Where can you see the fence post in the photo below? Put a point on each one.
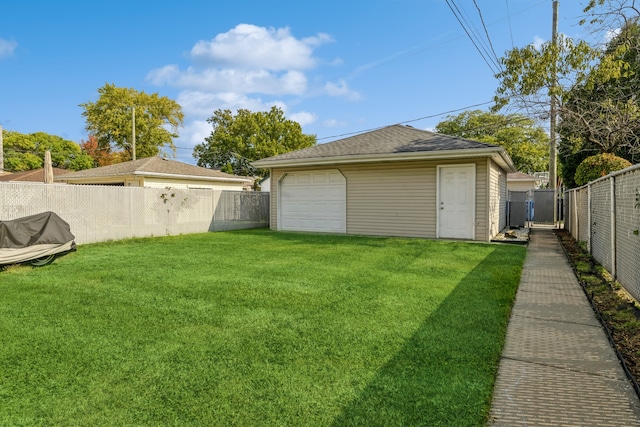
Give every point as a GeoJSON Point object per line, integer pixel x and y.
{"type": "Point", "coordinates": [575, 214]}
{"type": "Point", "coordinates": [614, 254]}
{"type": "Point", "coordinates": [589, 218]}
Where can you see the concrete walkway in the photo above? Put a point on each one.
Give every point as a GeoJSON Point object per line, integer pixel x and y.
{"type": "Point", "coordinates": [558, 367]}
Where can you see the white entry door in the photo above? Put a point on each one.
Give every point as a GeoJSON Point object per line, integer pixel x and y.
{"type": "Point", "coordinates": [456, 201]}
{"type": "Point", "coordinates": [313, 201]}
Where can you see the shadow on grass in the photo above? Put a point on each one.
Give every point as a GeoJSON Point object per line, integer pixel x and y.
{"type": "Point", "coordinates": [325, 239]}
{"type": "Point", "coordinates": [444, 375]}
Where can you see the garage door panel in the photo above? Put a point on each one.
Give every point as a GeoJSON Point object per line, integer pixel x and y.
{"type": "Point", "coordinates": [320, 178]}
{"type": "Point", "coordinates": [303, 178]}
{"type": "Point", "coordinates": [313, 201]}
{"type": "Point", "coordinates": [336, 177]}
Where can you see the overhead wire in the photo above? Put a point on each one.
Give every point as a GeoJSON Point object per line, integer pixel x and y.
{"type": "Point", "coordinates": [458, 15]}
{"type": "Point", "coordinates": [407, 121]}
{"type": "Point", "coordinates": [486, 47]}
{"type": "Point", "coordinates": [486, 32]}
{"type": "Point", "coordinates": [509, 19]}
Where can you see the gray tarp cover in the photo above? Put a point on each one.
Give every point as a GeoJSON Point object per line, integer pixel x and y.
{"type": "Point", "coordinates": [34, 238]}
{"type": "Point", "coordinates": [42, 228]}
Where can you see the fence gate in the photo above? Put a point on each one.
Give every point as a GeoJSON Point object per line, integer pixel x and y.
{"type": "Point", "coordinates": [543, 201]}
{"type": "Point", "coordinates": [519, 213]}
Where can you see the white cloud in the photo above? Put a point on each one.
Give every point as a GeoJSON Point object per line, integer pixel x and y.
{"type": "Point", "coordinates": [248, 67]}
{"type": "Point", "coordinates": [611, 34]}
{"type": "Point", "coordinates": [250, 46]}
{"type": "Point", "coordinates": [229, 79]}
{"type": "Point", "coordinates": [166, 75]}
{"type": "Point", "coordinates": [192, 134]}
{"type": "Point", "coordinates": [195, 132]}
{"type": "Point", "coordinates": [304, 118]}
{"type": "Point", "coordinates": [247, 59]}
{"type": "Point", "coordinates": [538, 42]}
{"type": "Point", "coordinates": [7, 48]}
{"type": "Point", "coordinates": [341, 89]}
{"type": "Point", "coordinates": [203, 104]}
{"type": "Point", "coordinates": [333, 123]}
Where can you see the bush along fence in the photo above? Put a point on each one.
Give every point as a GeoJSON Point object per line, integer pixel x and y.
{"type": "Point", "coordinates": [605, 215]}
{"type": "Point", "coordinates": [101, 213]}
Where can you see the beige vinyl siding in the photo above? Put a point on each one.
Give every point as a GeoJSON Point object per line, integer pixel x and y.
{"type": "Point", "coordinates": [497, 199]}
{"type": "Point", "coordinates": [391, 199]}
{"type": "Point", "coordinates": [395, 198]}
{"type": "Point", "coordinates": [482, 200]}
{"type": "Point", "coordinates": [522, 185]}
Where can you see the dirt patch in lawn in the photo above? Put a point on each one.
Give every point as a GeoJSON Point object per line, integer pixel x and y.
{"type": "Point", "coordinates": [619, 312]}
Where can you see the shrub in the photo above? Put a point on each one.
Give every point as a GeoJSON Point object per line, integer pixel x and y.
{"type": "Point", "coordinates": [597, 166]}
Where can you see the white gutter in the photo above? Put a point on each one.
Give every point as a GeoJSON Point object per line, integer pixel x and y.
{"type": "Point", "coordinates": [499, 155]}
{"type": "Point", "coordinates": [199, 177]}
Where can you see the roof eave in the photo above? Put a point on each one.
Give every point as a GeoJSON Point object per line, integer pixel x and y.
{"type": "Point", "coordinates": [196, 177]}
{"type": "Point", "coordinates": [498, 154]}
{"type": "Point", "coordinates": [123, 176]}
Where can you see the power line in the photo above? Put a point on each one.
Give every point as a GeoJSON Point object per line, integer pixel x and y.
{"type": "Point", "coordinates": [407, 121]}
{"type": "Point", "coordinates": [509, 19]}
{"type": "Point", "coordinates": [459, 18]}
{"type": "Point", "coordinates": [486, 32]}
{"type": "Point", "coordinates": [474, 30]}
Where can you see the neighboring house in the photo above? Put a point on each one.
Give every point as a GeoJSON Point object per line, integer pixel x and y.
{"type": "Point", "coordinates": [35, 175]}
{"type": "Point", "coordinates": [394, 181]}
{"type": "Point", "coordinates": [519, 181]}
{"type": "Point", "coordinates": [265, 184]}
{"type": "Point", "coordinates": [160, 173]}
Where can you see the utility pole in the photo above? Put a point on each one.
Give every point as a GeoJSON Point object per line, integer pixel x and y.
{"type": "Point", "coordinates": [133, 133]}
{"type": "Point", "coordinates": [553, 154]}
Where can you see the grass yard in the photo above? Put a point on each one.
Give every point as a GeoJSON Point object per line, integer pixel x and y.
{"type": "Point", "coordinates": [254, 327]}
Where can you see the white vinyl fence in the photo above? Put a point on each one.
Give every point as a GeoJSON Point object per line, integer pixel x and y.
{"type": "Point", "coordinates": [100, 213]}
{"type": "Point", "coordinates": [605, 214]}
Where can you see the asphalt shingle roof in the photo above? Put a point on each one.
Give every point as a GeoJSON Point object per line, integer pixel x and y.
{"type": "Point", "coordinates": [36, 175]}
{"type": "Point", "coordinates": [394, 139]}
{"type": "Point", "coordinates": [522, 176]}
{"type": "Point", "coordinates": [151, 165]}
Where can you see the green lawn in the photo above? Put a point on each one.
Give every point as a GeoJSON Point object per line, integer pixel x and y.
{"type": "Point", "coordinates": [252, 328]}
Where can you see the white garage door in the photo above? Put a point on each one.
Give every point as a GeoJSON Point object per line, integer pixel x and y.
{"type": "Point", "coordinates": [313, 201]}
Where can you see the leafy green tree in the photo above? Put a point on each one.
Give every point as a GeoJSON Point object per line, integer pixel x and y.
{"type": "Point", "coordinates": [526, 143]}
{"type": "Point", "coordinates": [110, 119]}
{"type": "Point", "coordinates": [531, 75]}
{"type": "Point", "coordinates": [597, 166]}
{"type": "Point", "coordinates": [24, 152]}
{"type": "Point", "coordinates": [602, 114]}
{"type": "Point", "coordinates": [595, 88]}
{"type": "Point", "coordinates": [238, 140]}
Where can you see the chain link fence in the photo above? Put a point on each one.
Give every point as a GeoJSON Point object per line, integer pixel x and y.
{"type": "Point", "coordinates": [605, 215]}
{"type": "Point", "coordinates": [100, 213]}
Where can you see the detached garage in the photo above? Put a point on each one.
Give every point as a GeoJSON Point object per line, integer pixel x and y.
{"type": "Point", "coordinates": [394, 181]}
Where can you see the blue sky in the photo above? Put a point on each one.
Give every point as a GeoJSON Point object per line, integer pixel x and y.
{"type": "Point", "coordinates": [336, 67]}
